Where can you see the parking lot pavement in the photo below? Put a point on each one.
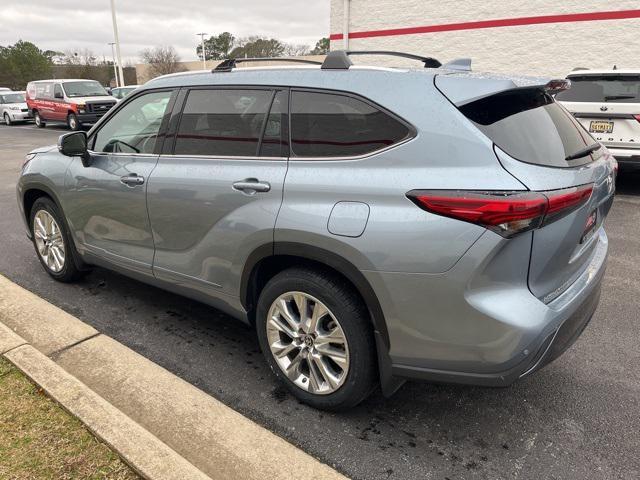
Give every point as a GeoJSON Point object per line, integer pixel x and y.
{"type": "Point", "coordinates": [577, 418]}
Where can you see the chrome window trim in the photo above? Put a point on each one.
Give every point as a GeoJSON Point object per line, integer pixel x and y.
{"type": "Point", "coordinates": [222, 157]}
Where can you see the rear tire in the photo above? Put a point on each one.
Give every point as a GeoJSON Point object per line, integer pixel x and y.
{"type": "Point", "coordinates": [72, 122]}
{"type": "Point", "coordinates": [40, 123]}
{"type": "Point", "coordinates": [52, 241]}
{"type": "Point", "coordinates": [331, 366]}
{"type": "Point", "coordinates": [7, 119]}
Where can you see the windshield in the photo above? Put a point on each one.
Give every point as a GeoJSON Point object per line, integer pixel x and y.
{"type": "Point", "coordinates": [84, 89]}
{"type": "Point", "coordinates": [602, 88]}
{"type": "Point", "coordinates": [531, 127]}
{"type": "Point", "coordinates": [13, 98]}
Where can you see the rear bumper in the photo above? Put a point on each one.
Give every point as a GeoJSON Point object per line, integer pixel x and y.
{"type": "Point", "coordinates": [491, 334]}
{"type": "Point", "coordinates": [626, 157]}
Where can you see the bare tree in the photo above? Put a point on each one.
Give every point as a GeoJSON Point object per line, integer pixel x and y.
{"type": "Point", "coordinates": [162, 61]}
{"type": "Point", "coordinates": [293, 50]}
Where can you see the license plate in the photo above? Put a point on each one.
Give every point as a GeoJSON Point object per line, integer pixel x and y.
{"type": "Point", "coordinates": [599, 126]}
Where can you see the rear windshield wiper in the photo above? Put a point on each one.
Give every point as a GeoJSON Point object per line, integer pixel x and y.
{"type": "Point", "coordinates": [617, 97]}
{"type": "Point", "coordinates": [584, 152]}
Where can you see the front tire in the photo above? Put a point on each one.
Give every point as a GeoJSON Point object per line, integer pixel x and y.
{"type": "Point", "coordinates": [52, 241]}
{"type": "Point", "coordinates": [7, 119]}
{"type": "Point", "coordinates": [40, 123]}
{"type": "Point", "coordinates": [72, 122]}
{"type": "Point", "coordinates": [316, 336]}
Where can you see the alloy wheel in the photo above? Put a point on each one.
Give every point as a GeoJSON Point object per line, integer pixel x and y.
{"type": "Point", "coordinates": [49, 241]}
{"type": "Point", "coordinates": [308, 343]}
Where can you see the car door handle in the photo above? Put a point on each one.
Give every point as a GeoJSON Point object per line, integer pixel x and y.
{"type": "Point", "coordinates": [251, 186]}
{"type": "Point", "coordinates": [132, 180]}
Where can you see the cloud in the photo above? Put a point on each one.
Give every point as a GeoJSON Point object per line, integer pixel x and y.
{"type": "Point", "coordinates": [71, 25]}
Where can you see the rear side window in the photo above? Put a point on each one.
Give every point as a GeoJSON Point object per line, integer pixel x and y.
{"type": "Point", "coordinates": [602, 88]}
{"type": "Point", "coordinates": [334, 125]}
{"type": "Point", "coordinates": [44, 90]}
{"type": "Point", "coordinates": [530, 126]}
{"type": "Point", "coordinates": [223, 122]}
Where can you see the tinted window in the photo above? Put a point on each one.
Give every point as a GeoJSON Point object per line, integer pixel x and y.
{"type": "Point", "coordinates": [330, 125]}
{"type": "Point", "coordinates": [134, 128]}
{"type": "Point", "coordinates": [602, 88]}
{"type": "Point", "coordinates": [528, 125]}
{"type": "Point", "coordinates": [223, 122]}
{"type": "Point", "coordinates": [275, 141]}
{"type": "Point", "coordinates": [57, 91]}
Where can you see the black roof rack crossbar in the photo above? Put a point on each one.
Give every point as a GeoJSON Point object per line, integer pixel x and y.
{"type": "Point", "coordinates": [230, 63]}
{"type": "Point", "coordinates": [339, 59]}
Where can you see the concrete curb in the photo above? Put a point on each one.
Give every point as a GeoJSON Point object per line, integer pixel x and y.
{"type": "Point", "coordinates": [164, 427]}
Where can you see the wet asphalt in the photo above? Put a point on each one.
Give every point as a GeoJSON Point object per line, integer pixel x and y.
{"type": "Point", "coordinates": [578, 418]}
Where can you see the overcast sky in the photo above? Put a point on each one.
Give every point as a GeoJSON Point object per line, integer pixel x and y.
{"type": "Point", "coordinates": [77, 24]}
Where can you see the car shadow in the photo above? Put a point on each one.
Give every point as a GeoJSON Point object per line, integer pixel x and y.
{"type": "Point", "coordinates": [628, 183]}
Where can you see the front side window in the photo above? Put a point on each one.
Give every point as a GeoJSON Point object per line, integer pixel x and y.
{"type": "Point", "coordinates": [57, 91]}
{"type": "Point", "coordinates": [223, 122]}
{"type": "Point", "coordinates": [86, 88]}
{"type": "Point", "coordinates": [334, 125]}
{"type": "Point", "coordinates": [135, 127]}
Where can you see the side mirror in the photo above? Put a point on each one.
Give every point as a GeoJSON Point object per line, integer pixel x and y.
{"type": "Point", "coordinates": [58, 95]}
{"type": "Point", "coordinates": [74, 144]}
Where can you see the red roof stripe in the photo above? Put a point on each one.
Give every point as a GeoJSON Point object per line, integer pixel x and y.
{"type": "Point", "coordinates": [501, 22]}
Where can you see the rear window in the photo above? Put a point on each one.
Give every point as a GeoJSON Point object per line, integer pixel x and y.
{"type": "Point", "coordinates": [333, 125]}
{"type": "Point", "coordinates": [602, 88]}
{"type": "Point", "coordinates": [530, 126]}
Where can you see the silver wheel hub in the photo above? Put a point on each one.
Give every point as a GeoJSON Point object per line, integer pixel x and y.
{"type": "Point", "coordinates": [308, 343]}
{"type": "Point", "coordinates": [49, 242]}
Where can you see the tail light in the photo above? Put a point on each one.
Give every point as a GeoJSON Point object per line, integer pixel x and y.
{"type": "Point", "coordinates": [506, 213]}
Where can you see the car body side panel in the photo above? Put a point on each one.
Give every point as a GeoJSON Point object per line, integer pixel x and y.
{"type": "Point", "coordinates": [204, 230]}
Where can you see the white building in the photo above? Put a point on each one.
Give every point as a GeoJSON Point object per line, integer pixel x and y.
{"type": "Point", "coordinates": [537, 37]}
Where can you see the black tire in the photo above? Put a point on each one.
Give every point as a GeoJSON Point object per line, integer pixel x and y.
{"type": "Point", "coordinates": [71, 269]}
{"type": "Point", "coordinates": [40, 123]}
{"type": "Point", "coordinates": [7, 119]}
{"type": "Point", "coordinates": [346, 305]}
{"type": "Point", "coordinates": [72, 122]}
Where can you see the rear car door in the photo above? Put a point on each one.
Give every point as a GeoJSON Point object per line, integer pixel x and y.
{"type": "Point", "coordinates": [216, 191]}
{"type": "Point", "coordinates": [106, 200]}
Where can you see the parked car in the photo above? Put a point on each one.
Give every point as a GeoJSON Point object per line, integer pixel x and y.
{"type": "Point", "coordinates": [607, 103]}
{"type": "Point", "coordinates": [5, 89]}
{"type": "Point", "coordinates": [120, 92]}
{"type": "Point", "coordinates": [371, 224]}
{"type": "Point", "coordinates": [73, 102]}
{"type": "Point", "coordinates": [13, 107]}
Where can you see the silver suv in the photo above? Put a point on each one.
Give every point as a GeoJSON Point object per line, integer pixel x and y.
{"type": "Point", "coordinates": [372, 224]}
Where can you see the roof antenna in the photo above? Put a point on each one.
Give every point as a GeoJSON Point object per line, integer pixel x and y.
{"type": "Point", "coordinates": [615, 67]}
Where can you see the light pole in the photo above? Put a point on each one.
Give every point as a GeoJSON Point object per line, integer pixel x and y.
{"type": "Point", "coordinates": [115, 69]}
{"type": "Point", "coordinates": [204, 54]}
{"type": "Point", "coordinates": [117, 42]}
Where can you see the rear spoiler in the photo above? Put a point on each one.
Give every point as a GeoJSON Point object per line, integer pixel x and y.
{"type": "Point", "coordinates": [461, 88]}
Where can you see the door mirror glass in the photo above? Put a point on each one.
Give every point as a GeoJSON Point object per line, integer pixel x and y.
{"type": "Point", "coordinates": [73, 144]}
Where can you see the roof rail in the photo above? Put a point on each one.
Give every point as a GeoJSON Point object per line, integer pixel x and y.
{"type": "Point", "coordinates": [339, 59]}
{"type": "Point", "coordinates": [230, 63]}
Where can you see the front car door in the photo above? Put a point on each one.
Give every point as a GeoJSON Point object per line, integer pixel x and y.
{"type": "Point", "coordinates": [106, 200]}
{"type": "Point", "coordinates": [214, 196]}
{"type": "Point", "coordinates": [59, 105]}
